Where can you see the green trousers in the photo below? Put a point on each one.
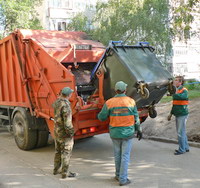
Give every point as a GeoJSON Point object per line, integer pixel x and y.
{"type": "Point", "coordinates": [63, 152]}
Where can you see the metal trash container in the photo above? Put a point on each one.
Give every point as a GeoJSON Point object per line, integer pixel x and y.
{"type": "Point", "coordinates": [136, 65]}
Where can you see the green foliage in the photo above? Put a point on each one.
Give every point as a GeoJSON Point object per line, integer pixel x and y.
{"type": "Point", "coordinates": [19, 14]}
{"type": "Point", "coordinates": [79, 23]}
{"type": "Point", "coordinates": [194, 94]}
{"type": "Point", "coordinates": [182, 17]}
{"type": "Point", "coordinates": [131, 21]}
{"type": "Point", "coordinates": [116, 20]}
{"type": "Point", "coordinates": [192, 85]}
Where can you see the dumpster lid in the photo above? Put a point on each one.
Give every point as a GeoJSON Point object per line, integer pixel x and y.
{"type": "Point", "coordinates": [114, 45]}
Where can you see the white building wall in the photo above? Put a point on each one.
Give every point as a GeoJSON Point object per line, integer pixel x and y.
{"type": "Point", "coordinates": [186, 59]}
{"type": "Point", "coordinates": [186, 56]}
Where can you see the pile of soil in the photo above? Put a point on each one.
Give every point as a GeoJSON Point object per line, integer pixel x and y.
{"type": "Point", "coordinates": [161, 127]}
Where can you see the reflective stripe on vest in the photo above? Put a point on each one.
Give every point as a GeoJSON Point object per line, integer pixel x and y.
{"type": "Point", "coordinates": [180, 102]}
{"type": "Point", "coordinates": [181, 90]}
{"type": "Point", "coordinates": [118, 107]}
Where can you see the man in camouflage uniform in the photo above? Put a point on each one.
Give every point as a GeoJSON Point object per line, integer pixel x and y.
{"type": "Point", "coordinates": [63, 132]}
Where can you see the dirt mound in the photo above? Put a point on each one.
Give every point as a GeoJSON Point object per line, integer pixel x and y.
{"type": "Point", "coordinates": [162, 128]}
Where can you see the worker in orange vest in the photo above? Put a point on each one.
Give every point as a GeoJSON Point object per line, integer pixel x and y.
{"type": "Point", "coordinates": [124, 121]}
{"type": "Point", "coordinates": [180, 111]}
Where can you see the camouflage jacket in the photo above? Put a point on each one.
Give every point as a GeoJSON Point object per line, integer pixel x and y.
{"type": "Point", "coordinates": [63, 119]}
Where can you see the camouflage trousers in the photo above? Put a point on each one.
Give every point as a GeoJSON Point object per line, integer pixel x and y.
{"type": "Point", "coordinates": [63, 152]}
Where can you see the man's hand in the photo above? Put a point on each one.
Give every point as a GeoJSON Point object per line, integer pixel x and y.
{"type": "Point", "coordinates": [139, 135]}
{"type": "Point", "coordinates": [169, 117]}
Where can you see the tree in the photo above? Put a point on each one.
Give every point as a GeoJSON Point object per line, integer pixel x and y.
{"type": "Point", "coordinates": [155, 21]}
{"type": "Point", "coordinates": [19, 14]}
{"type": "Point", "coordinates": [133, 21]}
{"type": "Point", "coordinates": [182, 17]}
{"type": "Point", "coordinates": [79, 23]}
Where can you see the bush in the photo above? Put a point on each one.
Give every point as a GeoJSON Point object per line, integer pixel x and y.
{"type": "Point", "coordinates": [192, 85]}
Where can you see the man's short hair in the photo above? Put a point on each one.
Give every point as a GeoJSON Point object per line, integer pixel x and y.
{"type": "Point", "coordinates": [119, 92]}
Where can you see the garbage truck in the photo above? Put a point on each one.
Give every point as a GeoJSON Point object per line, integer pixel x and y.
{"type": "Point", "coordinates": [36, 64]}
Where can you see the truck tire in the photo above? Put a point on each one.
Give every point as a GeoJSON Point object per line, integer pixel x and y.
{"type": "Point", "coordinates": [42, 138]}
{"type": "Point", "coordinates": [42, 132]}
{"type": "Point", "coordinates": [25, 137]}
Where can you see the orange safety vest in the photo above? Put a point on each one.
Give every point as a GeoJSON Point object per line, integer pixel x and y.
{"type": "Point", "coordinates": [180, 102]}
{"type": "Point", "coordinates": [120, 113]}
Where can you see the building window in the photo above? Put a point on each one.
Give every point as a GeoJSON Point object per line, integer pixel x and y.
{"type": "Point", "coordinates": [61, 26]}
{"type": "Point", "coordinates": [180, 52]}
{"type": "Point", "coordinates": [60, 3]}
{"type": "Point", "coordinates": [66, 4]}
{"type": "Point", "coordinates": [181, 69]}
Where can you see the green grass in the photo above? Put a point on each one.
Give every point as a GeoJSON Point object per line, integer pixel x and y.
{"type": "Point", "coordinates": [192, 95]}
{"type": "Point", "coordinates": [166, 99]}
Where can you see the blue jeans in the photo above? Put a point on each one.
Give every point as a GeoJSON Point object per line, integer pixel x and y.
{"type": "Point", "coordinates": [181, 132]}
{"type": "Point", "coordinates": [122, 150]}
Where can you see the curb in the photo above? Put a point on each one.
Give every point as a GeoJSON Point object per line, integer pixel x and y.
{"type": "Point", "coordinates": [172, 141]}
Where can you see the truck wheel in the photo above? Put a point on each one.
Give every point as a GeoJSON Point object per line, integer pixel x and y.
{"type": "Point", "coordinates": [42, 138]}
{"type": "Point", "coordinates": [25, 138]}
{"type": "Point", "coordinates": [42, 132]}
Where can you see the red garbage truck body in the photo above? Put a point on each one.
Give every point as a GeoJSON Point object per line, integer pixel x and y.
{"type": "Point", "coordinates": [34, 66]}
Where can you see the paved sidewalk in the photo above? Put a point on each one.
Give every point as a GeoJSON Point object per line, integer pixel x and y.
{"type": "Point", "coordinates": [153, 165]}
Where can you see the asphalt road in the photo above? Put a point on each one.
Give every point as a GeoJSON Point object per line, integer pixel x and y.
{"type": "Point", "coordinates": [152, 165]}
